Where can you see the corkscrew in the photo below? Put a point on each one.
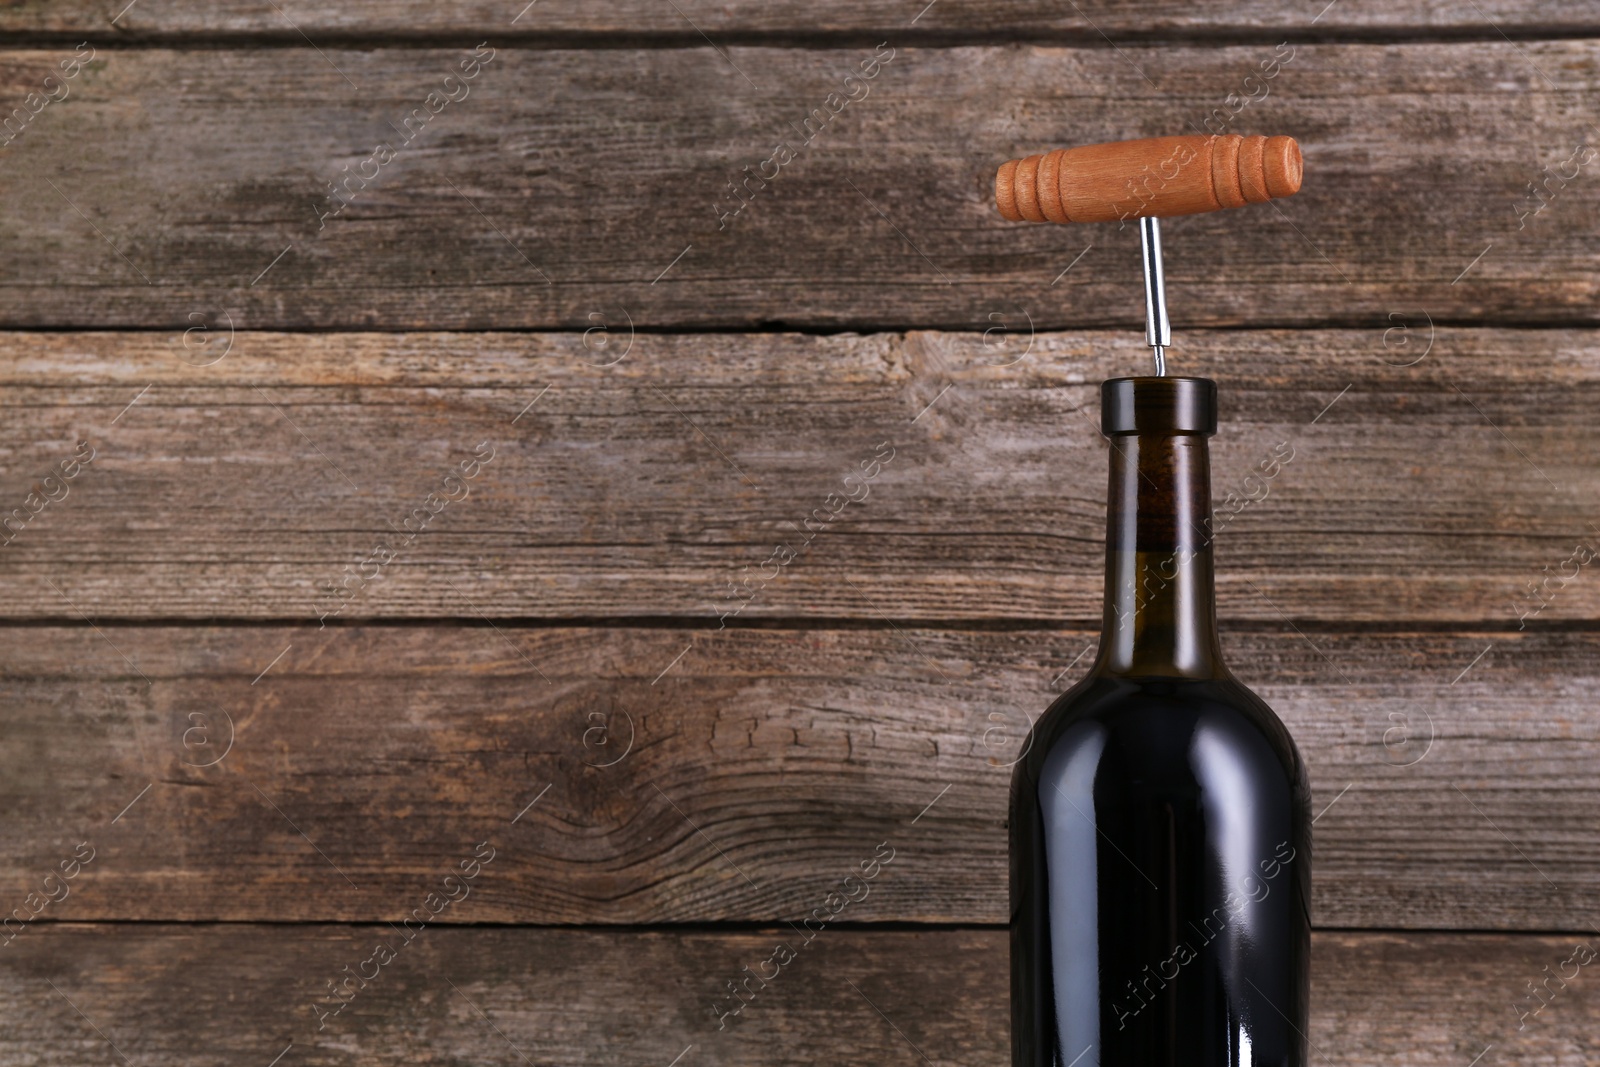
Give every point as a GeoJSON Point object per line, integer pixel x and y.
{"type": "Point", "coordinates": [1149, 180]}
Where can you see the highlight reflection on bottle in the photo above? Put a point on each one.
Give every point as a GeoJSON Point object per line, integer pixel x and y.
{"type": "Point", "coordinates": [1160, 821]}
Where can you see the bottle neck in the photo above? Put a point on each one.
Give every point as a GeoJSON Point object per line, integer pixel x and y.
{"type": "Point", "coordinates": [1160, 611]}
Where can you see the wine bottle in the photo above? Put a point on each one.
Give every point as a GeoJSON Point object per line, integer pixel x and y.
{"type": "Point", "coordinates": [1160, 826]}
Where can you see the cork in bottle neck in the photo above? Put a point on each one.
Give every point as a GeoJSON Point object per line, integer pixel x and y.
{"type": "Point", "coordinates": [1160, 616]}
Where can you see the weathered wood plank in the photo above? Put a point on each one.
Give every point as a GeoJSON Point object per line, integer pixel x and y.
{"type": "Point", "coordinates": [248, 488]}
{"type": "Point", "coordinates": [565, 184]}
{"type": "Point", "coordinates": [662, 775]}
{"type": "Point", "coordinates": [203, 996]}
{"type": "Point", "coordinates": [630, 18]}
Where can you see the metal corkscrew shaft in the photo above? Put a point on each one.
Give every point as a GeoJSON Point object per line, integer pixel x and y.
{"type": "Point", "coordinates": [1157, 327]}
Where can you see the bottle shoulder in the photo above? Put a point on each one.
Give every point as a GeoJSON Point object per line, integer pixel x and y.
{"type": "Point", "coordinates": [1180, 725]}
{"type": "Point", "coordinates": [1109, 697]}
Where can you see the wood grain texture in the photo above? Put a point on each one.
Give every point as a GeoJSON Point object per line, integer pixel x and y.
{"type": "Point", "coordinates": [636, 776]}
{"type": "Point", "coordinates": [661, 485]}
{"type": "Point", "coordinates": [787, 18]}
{"type": "Point", "coordinates": [209, 996]}
{"type": "Point", "coordinates": [241, 785]}
{"type": "Point", "coordinates": [571, 183]}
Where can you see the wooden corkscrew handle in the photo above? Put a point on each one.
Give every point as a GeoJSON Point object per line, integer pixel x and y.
{"type": "Point", "coordinates": [1157, 177]}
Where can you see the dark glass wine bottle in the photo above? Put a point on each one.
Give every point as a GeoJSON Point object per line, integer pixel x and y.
{"type": "Point", "coordinates": [1160, 826]}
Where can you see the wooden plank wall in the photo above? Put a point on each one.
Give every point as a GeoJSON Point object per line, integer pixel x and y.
{"type": "Point", "coordinates": [253, 715]}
